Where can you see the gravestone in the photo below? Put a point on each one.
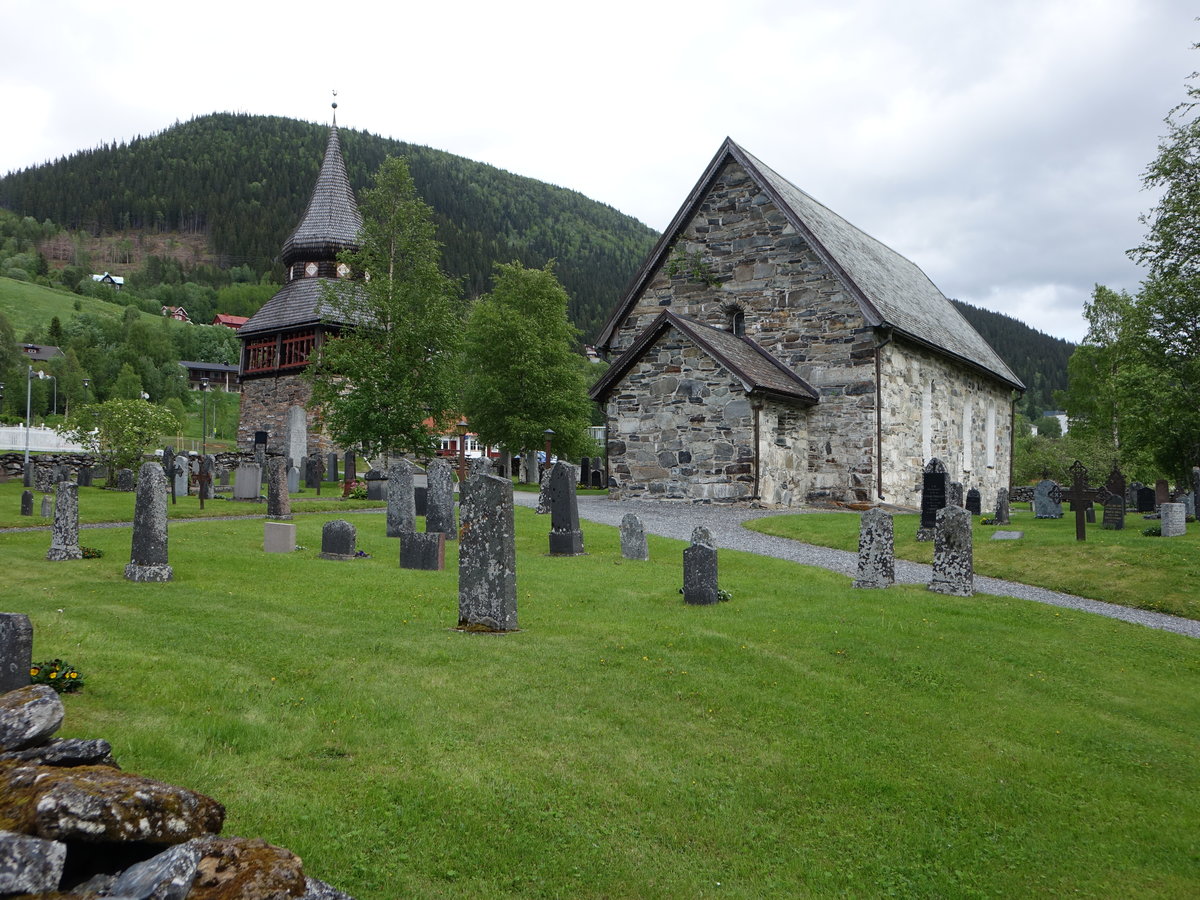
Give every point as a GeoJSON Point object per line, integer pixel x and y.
{"type": "Point", "coordinates": [1131, 499]}
{"type": "Point", "coordinates": [954, 494]}
{"type": "Point", "coordinates": [935, 487]}
{"type": "Point", "coordinates": [338, 540]}
{"type": "Point", "coordinates": [279, 537]}
{"type": "Point", "coordinates": [953, 560]}
{"type": "Point", "coordinates": [487, 559]}
{"type": "Point", "coordinates": [224, 476]}
{"type": "Point", "coordinates": [296, 446]}
{"type": "Point", "coordinates": [168, 467]}
{"type": "Point", "coordinates": [260, 449]}
{"type": "Point", "coordinates": [565, 537]}
{"type": "Point", "coordinates": [425, 552]}
{"type": "Point", "coordinates": [1196, 487]}
{"type": "Point", "coordinates": [316, 472]}
{"type": "Point", "coordinates": [700, 569]}
{"type": "Point", "coordinates": [1145, 500]}
{"type": "Point", "coordinates": [27, 503]}
{"type": "Point", "coordinates": [84, 476]}
{"type": "Point", "coordinates": [480, 465]}
{"type": "Point", "coordinates": [375, 484]}
{"type": "Point", "coordinates": [633, 538]}
{"type": "Point", "coordinates": [974, 502]}
{"type": "Point", "coordinates": [1189, 503]}
{"type": "Point", "coordinates": [1007, 535]}
{"type": "Point", "coordinates": [27, 474]}
{"type": "Point", "coordinates": [305, 479]}
{"type": "Point", "coordinates": [1172, 519]}
{"type": "Point", "coordinates": [585, 472]}
{"type": "Point", "coordinates": [401, 501]}
{"type": "Point", "coordinates": [148, 557]}
{"type": "Point", "coordinates": [543, 504]}
{"type": "Point", "coordinates": [293, 480]}
{"type": "Point", "coordinates": [1003, 514]}
{"type": "Point", "coordinates": [597, 479]}
{"type": "Point", "coordinates": [1114, 513]}
{"type": "Point", "coordinates": [876, 550]}
{"type": "Point", "coordinates": [247, 481]}
{"type": "Point", "coordinates": [1162, 492]}
{"type": "Point", "coordinates": [208, 467]}
{"type": "Point", "coordinates": [331, 468]}
{"type": "Point", "coordinates": [180, 487]}
{"type": "Point", "coordinates": [279, 504]}
{"type": "Point", "coordinates": [439, 505]}
{"type": "Point", "coordinates": [16, 651]}
{"type": "Point", "coordinates": [64, 533]}
{"type": "Point", "coordinates": [1047, 502]}
{"type": "Point", "coordinates": [43, 478]}
{"type": "Point", "coordinates": [351, 466]}
{"type": "Point", "coordinates": [307, 472]}
{"type": "Point", "coordinates": [46, 510]}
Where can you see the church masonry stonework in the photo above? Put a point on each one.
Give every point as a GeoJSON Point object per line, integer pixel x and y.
{"type": "Point", "coordinates": [896, 375]}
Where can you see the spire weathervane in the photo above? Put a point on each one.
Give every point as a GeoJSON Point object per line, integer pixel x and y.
{"type": "Point", "coordinates": [335, 109]}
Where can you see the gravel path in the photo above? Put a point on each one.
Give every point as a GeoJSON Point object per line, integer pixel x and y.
{"type": "Point", "coordinates": [676, 520]}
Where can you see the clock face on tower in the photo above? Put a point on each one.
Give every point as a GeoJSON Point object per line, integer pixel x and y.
{"type": "Point", "coordinates": [310, 269]}
{"type": "Point", "coordinates": [343, 270]}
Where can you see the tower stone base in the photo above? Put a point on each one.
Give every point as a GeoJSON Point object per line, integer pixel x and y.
{"type": "Point", "coordinates": [265, 404]}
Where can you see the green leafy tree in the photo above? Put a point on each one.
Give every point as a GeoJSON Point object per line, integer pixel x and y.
{"type": "Point", "coordinates": [381, 382]}
{"type": "Point", "coordinates": [521, 375]}
{"type": "Point", "coordinates": [119, 432]}
{"type": "Point", "coordinates": [128, 385]}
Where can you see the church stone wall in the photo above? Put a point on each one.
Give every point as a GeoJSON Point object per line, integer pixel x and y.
{"type": "Point", "coordinates": [682, 428]}
{"type": "Point", "coordinates": [265, 404]}
{"type": "Point", "coordinates": [933, 406]}
{"type": "Point", "coordinates": [783, 455]}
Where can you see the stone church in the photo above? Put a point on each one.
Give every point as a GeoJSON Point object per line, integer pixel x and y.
{"type": "Point", "coordinates": [279, 339]}
{"type": "Point", "coordinates": [769, 350]}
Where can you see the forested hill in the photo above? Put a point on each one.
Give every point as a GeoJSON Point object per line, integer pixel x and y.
{"type": "Point", "coordinates": [1038, 359]}
{"type": "Point", "coordinates": [243, 181]}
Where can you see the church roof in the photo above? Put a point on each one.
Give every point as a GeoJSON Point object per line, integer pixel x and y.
{"type": "Point", "coordinates": [758, 371]}
{"type": "Point", "coordinates": [891, 291]}
{"type": "Point", "coordinates": [331, 221]}
{"type": "Point", "coordinates": [300, 303]}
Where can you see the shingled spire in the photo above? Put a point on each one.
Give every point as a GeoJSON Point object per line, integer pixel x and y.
{"type": "Point", "coordinates": [331, 221]}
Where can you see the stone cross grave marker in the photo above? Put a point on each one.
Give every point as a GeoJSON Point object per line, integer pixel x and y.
{"type": "Point", "coordinates": [439, 501]}
{"type": "Point", "coordinates": [338, 540]}
{"type": "Point", "coordinates": [487, 557]}
{"type": "Point", "coordinates": [700, 569]}
{"type": "Point", "coordinates": [16, 651]}
{"type": "Point", "coordinates": [279, 504]}
{"type": "Point", "coordinates": [64, 534]}
{"type": "Point", "coordinates": [1172, 519]}
{"type": "Point", "coordinates": [953, 559]}
{"type": "Point", "coordinates": [401, 499]}
{"type": "Point", "coordinates": [148, 556]}
{"type": "Point", "coordinates": [1082, 497]}
{"type": "Point", "coordinates": [633, 538]}
{"type": "Point", "coordinates": [876, 550]}
{"type": "Point", "coordinates": [935, 486]}
{"type": "Point", "coordinates": [565, 537]}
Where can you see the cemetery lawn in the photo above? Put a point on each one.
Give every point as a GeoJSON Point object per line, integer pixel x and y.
{"type": "Point", "coordinates": [803, 739]}
{"type": "Point", "coordinates": [1122, 567]}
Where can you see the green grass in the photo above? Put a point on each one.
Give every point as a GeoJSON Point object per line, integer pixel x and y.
{"type": "Point", "coordinates": [28, 306]}
{"type": "Point", "coordinates": [1123, 567]}
{"type": "Point", "coordinates": [803, 739]}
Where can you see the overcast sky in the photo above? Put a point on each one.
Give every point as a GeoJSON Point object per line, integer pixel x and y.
{"type": "Point", "coordinates": [999, 145]}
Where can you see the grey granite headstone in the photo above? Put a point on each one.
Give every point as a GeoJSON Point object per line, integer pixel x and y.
{"type": "Point", "coordinates": [375, 483]}
{"type": "Point", "coordinates": [338, 540]}
{"type": "Point", "coordinates": [426, 552]}
{"type": "Point", "coordinates": [224, 477]}
{"type": "Point", "coordinates": [46, 510]}
{"type": "Point", "coordinates": [27, 503]}
{"type": "Point", "coordinates": [633, 538]}
{"type": "Point", "coordinates": [487, 559]}
{"type": "Point", "coordinates": [64, 533]}
{"type": "Point", "coordinates": [1003, 514]}
{"type": "Point", "coordinates": [331, 468]}
{"type": "Point", "coordinates": [974, 502]}
{"type": "Point", "coordinates": [439, 504]}
{"type": "Point", "coordinates": [700, 569]}
{"type": "Point", "coordinates": [1189, 503]}
{"type": "Point", "coordinates": [279, 504]}
{"type": "Point", "coordinates": [84, 476]}
{"type": "Point", "coordinates": [16, 651]}
{"type": "Point", "coordinates": [148, 558]}
{"type": "Point", "coordinates": [876, 550]}
{"type": "Point", "coordinates": [543, 504]}
{"type": "Point", "coordinates": [480, 465]}
{"type": "Point", "coordinates": [43, 479]}
{"type": "Point", "coordinates": [297, 433]}
{"type": "Point", "coordinates": [125, 480]}
{"type": "Point", "coordinates": [293, 480]}
{"type": "Point", "coordinates": [954, 494]}
{"type": "Point", "coordinates": [935, 488]}
{"type": "Point", "coordinates": [953, 558]}
{"type": "Point", "coordinates": [181, 476]}
{"type": "Point", "coordinates": [1044, 504]}
{"type": "Point", "coordinates": [1114, 513]}
{"type": "Point", "coordinates": [565, 537]}
{"type": "Point", "coordinates": [1171, 516]}
{"type": "Point", "coordinates": [247, 482]}
{"type": "Point", "coordinates": [401, 500]}
{"type": "Point", "coordinates": [279, 537]}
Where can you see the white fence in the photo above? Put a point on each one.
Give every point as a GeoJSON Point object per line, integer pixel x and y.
{"type": "Point", "coordinates": [12, 437]}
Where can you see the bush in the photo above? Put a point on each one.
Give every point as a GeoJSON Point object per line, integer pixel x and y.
{"type": "Point", "coordinates": [60, 675]}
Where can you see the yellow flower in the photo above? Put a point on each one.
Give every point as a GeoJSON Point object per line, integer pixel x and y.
{"type": "Point", "coordinates": [53, 674]}
{"type": "Point", "coordinates": [33, 672]}
{"type": "Point", "coordinates": [73, 675]}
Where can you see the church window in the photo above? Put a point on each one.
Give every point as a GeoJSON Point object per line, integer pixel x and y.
{"type": "Point", "coordinates": [735, 320]}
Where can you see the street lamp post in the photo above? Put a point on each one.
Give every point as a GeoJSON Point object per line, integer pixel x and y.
{"type": "Point", "coordinates": [203, 415]}
{"type": "Point", "coordinates": [461, 428]}
{"type": "Point", "coordinates": [29, 405]}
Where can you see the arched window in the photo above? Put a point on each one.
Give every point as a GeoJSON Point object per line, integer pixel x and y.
{"type": "Point", "coordinates": [737, 321]}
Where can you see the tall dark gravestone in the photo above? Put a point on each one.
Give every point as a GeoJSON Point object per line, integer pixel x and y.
{"type": "Point", "coordinates": [401, 499]}
{"type": "Point", "coordinates": [935, 486]}
{"type": "Point", "coordinates": [1145, 500]}
{"type": "Point", "coordinates": [487, 557]}
{"type": "Point", "coordinates": [1114, 513]}
{"type": "Point", "coordinates": [1002, 507]}
{"type": "Point", "coordinates": [279, 503]}
{"type": "Point", "coordinates": [700, 586]}
{"type": "Point", "coordinates": [16, 651]}
{"type": "Point", "coordinates": [64, 534]}
{"type": "Point", "coordinates": [148, 557]}
{"type": "Point", "coordinates": [974, 502]}
{"type": "Point", "coordinates": [350, 464]}
{"type": "Point", "coordinates": [953, 555]}
{"type": "Point", "coordinates": [876, 550]}
{"type": "Point", "coordinates": [375, 484]}
{"type": "Point", "coordinates": [84, 476]}
{"type": "Point", "coordinates": [331, 468]}
{"type": "Point", "coordinates": [565, 537]}
{"type": "Point", "coordinates": [27, 503]}
{"type": "Point", "coordinates": [1162, 492]}
{"type": "Point", "coordinates": [168, 467]}
{"type": "Point", "coordinates": [439, 501]}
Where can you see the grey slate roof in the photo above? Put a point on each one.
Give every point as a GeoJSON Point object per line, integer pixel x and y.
{"type": "Point", "coordinates": [890, 290]}
{"type": "Point", "coordinates": [331, 221]}
{"type": "Point", "coordinates": [757, 370]}
{"type": "Point", "coordinates": [299, 303]}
